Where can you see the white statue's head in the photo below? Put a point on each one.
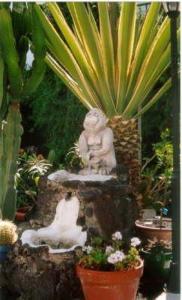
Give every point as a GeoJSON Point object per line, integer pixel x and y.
{"type": "Point", "coordinates": [95, 120]}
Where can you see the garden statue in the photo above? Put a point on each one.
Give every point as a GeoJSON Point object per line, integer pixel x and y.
{"type": "Point", "coordinates": [97, 153]}
{"type": "Point", "coordinates": [96, 144]}
{"type": "Point", "coordinates": [62, 232]}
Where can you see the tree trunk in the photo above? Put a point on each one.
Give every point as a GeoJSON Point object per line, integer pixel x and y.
{"type": "Point", "coordinates": [127, 147]}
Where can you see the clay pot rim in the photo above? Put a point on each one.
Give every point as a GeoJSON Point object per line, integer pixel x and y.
{"type": "Point", "coordinates": [110, 272]}
{"type": "Point", "coordinates": [24, 209]}
{"type": "Point", "coordinates": [149, 227]}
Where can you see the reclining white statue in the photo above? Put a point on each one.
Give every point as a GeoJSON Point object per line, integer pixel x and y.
{"type": "Point", "coordinates": [62, 230]}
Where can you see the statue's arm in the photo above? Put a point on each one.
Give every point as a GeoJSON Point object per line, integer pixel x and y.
{"type": "Point", "coordinates": [107, 143]}
{"type": "Point", "coordinates": [83, 147]}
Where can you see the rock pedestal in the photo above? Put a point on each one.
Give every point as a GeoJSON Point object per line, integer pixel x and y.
{"type": "Point", "coordinates": [105, 206]}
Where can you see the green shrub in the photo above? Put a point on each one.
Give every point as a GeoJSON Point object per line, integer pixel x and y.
{"type": "Point", "coordinates": [154, 123]}
{"type": "Point", "coordinates": [155, 188]}
{"type": "Point", "coordinates": [53, 117]}
{"type": "Point", "coordinates": [30, 168]}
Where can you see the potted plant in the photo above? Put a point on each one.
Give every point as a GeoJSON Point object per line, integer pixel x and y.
{"type": "Point", "coordinates": [157, 256]}
{"type": "Point", "coordinates": [30, 168]}
{"type": "Point", "coordinates": [8, 237]}
{"type": "Point", "coordinates": [158, 227]}
{"type": "Point", "coordinates": [154, 191]}
{"type": "Point", "coordinates": [110, 270]}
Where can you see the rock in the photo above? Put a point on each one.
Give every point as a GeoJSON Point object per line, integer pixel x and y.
{"type": "Point", "coordinates": [35, 274]}
{"type": "Point", "coordinates": [64, 176]}
{"type": "Point", "coordinates": [105, 205]}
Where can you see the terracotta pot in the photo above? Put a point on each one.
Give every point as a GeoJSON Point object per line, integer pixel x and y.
{"type": "Point", "coordinates": [118, 285]}
{"type": "Point", "coordinates": [22, 212]}
{"type": "Point", "coordinates": [147, 231]}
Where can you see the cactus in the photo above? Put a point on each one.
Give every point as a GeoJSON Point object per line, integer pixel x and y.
{"type": "Point", "coordinates": [16, 83]}
{"type": "Point", "coordinates": [8, 234]}
{"type": "Point", "coordinates": [10, 137]}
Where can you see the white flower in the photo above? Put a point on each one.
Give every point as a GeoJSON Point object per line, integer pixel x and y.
{"type": "Point", "coordinates": [112, 259]}
{"type": "Point", "coordinates": [109, 249]}
{"type": "Point", "coordinates": [116, 257]}
{"type": "Point", "coordinates": [120, 255]}
{"type": "Point", "coordinates": [135, 242]}
{"type": "Point", "coordinates": [87, 249]}
{"type": "Point", "coordinates": [117, 236]}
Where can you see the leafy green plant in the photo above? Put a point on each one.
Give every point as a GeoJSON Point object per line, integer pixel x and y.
{"type": "Point", "coordinates": [73, 157]}
{"type": "Point", "coordinates": [157, 257]}
{"type": "Point", "coordinates": [156, 246]}
{"type": "Point", "coordinates": [119, 73]}
{"type": "Point", "coordinates": [155, 187]}
{"type": "Point", "coordinates": [30, 168]}
{"type": "Point", "coordinates": [115, 254]}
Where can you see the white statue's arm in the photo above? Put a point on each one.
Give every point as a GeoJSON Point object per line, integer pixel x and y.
{"type": "Point", "coordinates": [83, 147]}
{"type": "Point", "coordinates": [107, 143]}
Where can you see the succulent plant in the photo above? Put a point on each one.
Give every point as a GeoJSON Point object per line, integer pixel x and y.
{"type": "Point", "coordinates": [8, 234]}
{"type": "Point", "coordinates": [18, 78]}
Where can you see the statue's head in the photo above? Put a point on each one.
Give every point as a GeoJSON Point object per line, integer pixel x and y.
{"type": "Point", "coordinates": [95, 120]}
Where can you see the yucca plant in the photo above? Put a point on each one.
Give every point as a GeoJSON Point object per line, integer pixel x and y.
{"type": "Point", "coordinates": [20, 30]}
{"type": "Point", "coordinates": [111, 62]}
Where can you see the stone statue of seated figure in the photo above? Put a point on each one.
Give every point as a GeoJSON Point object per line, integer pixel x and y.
{"type": "Point", "coordinates": [96, 144]}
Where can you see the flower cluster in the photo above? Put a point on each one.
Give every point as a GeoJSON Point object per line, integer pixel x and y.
{"type": "Point", "coordinates": [109, 249]}
{"type": "Point", "coordinates": [117, 236]}
{"type": "Point", "coordinates": [115, 255]}
{"type": "Point", "coordinates": [135, 242]}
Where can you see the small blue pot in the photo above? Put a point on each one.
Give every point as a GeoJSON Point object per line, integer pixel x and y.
{"type": "Point", "coordinates": [4, 249]}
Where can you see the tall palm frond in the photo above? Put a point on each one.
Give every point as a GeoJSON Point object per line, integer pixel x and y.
{"type": "Point", "coordinates": [118, 72]}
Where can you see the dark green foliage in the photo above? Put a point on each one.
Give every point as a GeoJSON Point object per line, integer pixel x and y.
{"type": "Point", "coordinates": [157, 257]}
{"type": "Point", "coordinates": [56, 118]}
{"type": "Point", "coordinates": [155, 187]}
{"type": "Point", "coordinates": [154, 122]}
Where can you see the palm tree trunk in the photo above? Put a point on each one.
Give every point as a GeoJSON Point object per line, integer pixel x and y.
{"type": "Point", "coordinates": [127, 147]}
